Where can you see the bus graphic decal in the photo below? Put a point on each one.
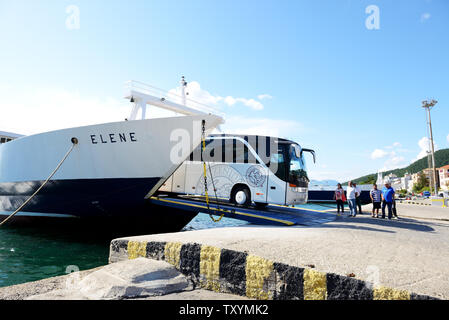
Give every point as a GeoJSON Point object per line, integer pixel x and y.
{"type": "Point", "coordinates": [255, 177]}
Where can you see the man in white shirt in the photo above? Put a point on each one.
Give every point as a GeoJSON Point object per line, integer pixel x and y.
{"type": "Point", "coordinates": [351, 195]}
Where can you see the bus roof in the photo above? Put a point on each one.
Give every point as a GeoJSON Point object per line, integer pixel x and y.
{"type": "Point", "coordinates": [247, 136]}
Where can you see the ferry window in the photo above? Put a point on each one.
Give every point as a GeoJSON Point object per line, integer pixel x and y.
{"type": "Point", "coordinates": [2, 140]}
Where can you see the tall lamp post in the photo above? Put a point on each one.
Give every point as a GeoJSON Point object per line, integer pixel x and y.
{"type": "Point", "coordinates": [428, 105]}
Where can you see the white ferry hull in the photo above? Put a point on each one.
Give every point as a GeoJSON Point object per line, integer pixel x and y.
{"type": "Point", "coordinates": [108, 174]}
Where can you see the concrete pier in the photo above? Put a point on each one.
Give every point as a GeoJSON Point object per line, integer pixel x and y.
{"type": "Point", "coordinates": [349, 258]}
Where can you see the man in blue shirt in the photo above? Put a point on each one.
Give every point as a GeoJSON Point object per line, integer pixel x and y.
{"type": "Point", "coordinates": [387, 199]}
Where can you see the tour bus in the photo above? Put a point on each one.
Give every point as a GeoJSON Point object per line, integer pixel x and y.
{"type": "Point", "coordinates": [245, 169]}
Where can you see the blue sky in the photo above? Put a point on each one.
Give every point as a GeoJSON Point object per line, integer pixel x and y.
{"type": "Point", "coordinates": [306, 70]}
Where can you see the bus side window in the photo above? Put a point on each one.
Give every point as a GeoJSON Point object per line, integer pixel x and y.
{"type": "Point", "coordinates": [196, 153]}
{"type": "Point", "coordinates": [212, 152]}
{"type": "Point", "coordinates": [278, 162]}
{"type": "Point", "coordinates": [229, 150]}
{"type": "Point", "coordinates": [240, 151]}
{"type": "Point", "coordinates": [253, 142]}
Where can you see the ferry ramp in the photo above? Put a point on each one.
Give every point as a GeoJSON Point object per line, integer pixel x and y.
{"type": "Point", "coordinates": [270, 215]}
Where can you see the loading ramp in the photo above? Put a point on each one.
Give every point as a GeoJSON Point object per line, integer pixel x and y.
{"type": "Point", "coordinates": [270, 215]}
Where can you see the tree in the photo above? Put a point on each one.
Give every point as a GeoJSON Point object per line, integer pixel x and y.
{"type": "Point", "coordinates": [422, 183]}
{"type": "Point", "coordinates": [402, 193]}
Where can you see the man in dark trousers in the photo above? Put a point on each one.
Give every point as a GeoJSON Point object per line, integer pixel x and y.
{"type": "Point", "coordinates": [358, 200]}
{"type": "Point", "coordinates": [387, 199]}
{"type": "Point", "coordinates": [395, 211]}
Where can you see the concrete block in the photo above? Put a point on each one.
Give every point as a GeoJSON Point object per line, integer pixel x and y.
{"type": "Point", "coordinates": [135, 278]}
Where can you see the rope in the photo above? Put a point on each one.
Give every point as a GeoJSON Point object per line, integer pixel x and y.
{"type": "Point", "coordinates": [216, 198]}
{"type": "Point", "coordinates": [74, 142]}
{"type": "Point", "coordinates": [203, 138]}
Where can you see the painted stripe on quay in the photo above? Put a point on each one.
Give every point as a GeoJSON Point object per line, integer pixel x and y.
{"type": "Point", "coordinates": [210, 268]}
{"type": "Point", "coordinates": [173, 253]}
{"type": "Point", "coordinates": [229, 271]}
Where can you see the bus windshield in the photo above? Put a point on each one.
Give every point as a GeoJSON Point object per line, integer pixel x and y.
{"type": "Point", "coordinates": [297, 170]}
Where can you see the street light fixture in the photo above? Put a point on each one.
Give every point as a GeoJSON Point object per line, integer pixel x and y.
{"type": "Point", "coordinates": [428, 105]}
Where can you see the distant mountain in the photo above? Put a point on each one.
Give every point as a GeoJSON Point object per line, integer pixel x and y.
{"type": "Point", "coordinates": [441, 159]}
{"type": "Point", "coordinates": [324, 182]}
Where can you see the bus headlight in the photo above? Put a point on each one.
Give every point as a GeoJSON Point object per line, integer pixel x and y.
{"type": "Point", "coordinates": [299, 190]}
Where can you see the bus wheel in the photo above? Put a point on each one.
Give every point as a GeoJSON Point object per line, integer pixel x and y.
{"type": "Point", "coordinates": [241, 196]}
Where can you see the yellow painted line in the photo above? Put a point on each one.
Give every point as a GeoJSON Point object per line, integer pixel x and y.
{"type": "Point", "coordinates": [200, 197]}
{"type": "Point", "coordinates": [137, 249]}
{"type": "Point", "coordinates": [384, 293]}
{"type": "Point", "coordinates": [258, 271]}
{"type": "Point", "coordinates": [289, 223]}
{"type": "Point", "coordinates": [274, 205]}
{"type": "Point", "coordinates": [210, 268]}
{"type": "Point", "coordinates": [172, 253]}
{"type": "Point", "coordinates": [315, 285]}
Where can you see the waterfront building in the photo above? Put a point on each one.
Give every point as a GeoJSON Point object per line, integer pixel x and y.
{"type": "Point", "coordinates": [444, 177]}
{"type": "Point", "coordinates": [429, 175]}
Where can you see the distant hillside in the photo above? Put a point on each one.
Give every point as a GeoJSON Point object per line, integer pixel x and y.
{"type": "Point", "coordinates": [441, 159]}
{"type": "Point", "coordinates": [324, 182]}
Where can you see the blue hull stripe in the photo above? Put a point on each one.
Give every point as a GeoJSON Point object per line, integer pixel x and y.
{"type": "Point", "coordinates": [80, 198]}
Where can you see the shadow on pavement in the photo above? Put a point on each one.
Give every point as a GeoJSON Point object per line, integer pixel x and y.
{"type": "Point", "coordinates": [361, 221]}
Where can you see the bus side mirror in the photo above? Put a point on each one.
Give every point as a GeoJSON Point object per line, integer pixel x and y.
{"type": "Point", "coordinates": [312, 152]}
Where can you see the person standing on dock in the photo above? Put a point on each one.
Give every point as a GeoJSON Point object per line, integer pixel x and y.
{"type": "Point", "coordinates": [376, 197]}
{"type": "Point", "coordinates": [394, 209]}
{"type": "Point", "coordinates": [351, 195]}
{"type": "Point", "coordinates": [339, 197]}
{"type": "Point", "coordinates": [358, 200]}
{"type": "Point", "coordinates": [387, 199]}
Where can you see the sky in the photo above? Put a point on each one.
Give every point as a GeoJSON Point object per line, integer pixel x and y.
{"type": "Point", "coordinates": [345, 78]}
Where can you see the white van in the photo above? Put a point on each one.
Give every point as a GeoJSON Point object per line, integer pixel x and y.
{"type": "Point", "coordinates": [245, 169]}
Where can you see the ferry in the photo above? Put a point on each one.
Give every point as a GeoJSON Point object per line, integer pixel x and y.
{"type": "Point", "coordinates": [110, 168]}
{"type": "Point", "coordinates": [323, 194]}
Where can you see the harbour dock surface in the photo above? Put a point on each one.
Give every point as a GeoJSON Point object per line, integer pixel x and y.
{"type": "Point", "coordinates": [406, 254]}
{"type": "Point", "coordinates": [348, 258]}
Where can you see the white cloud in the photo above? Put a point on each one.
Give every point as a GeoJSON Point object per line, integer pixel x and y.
{"type": "Point", "coordinates": [262, 126]}
{"type": "Point", "coordinates": [447, 138]}
{"type": "Point", "coordinates": [393, 163]}
{"type": "Point", "coordinates": [379, 154]}
{"type": "Point", "coordinates": [253, 104]}
{"type": "Point", "coordinates": [424, 147]}
{"type": "Point", "coordinates": [195, 92]}
{"type": "Point", "coordinates": [392, 159]}
{"type": "Point", "coordinates": [264, 96]}
{"type": "Point", "coordinates": [36, 110]}
{"type": "Point", "coordinates": [395, 145]}
{"type": "Point", "coordinates": [425, 16]}
{"type": "Point", "coordinates": [230, 101]}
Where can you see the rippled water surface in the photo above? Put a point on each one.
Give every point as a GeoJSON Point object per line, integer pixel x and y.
{"type": "Point", "coordinates": [29, 254]}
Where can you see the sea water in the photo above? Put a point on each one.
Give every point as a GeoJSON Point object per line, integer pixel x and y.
{"type": "Point", "coordinates": [30, 254]}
